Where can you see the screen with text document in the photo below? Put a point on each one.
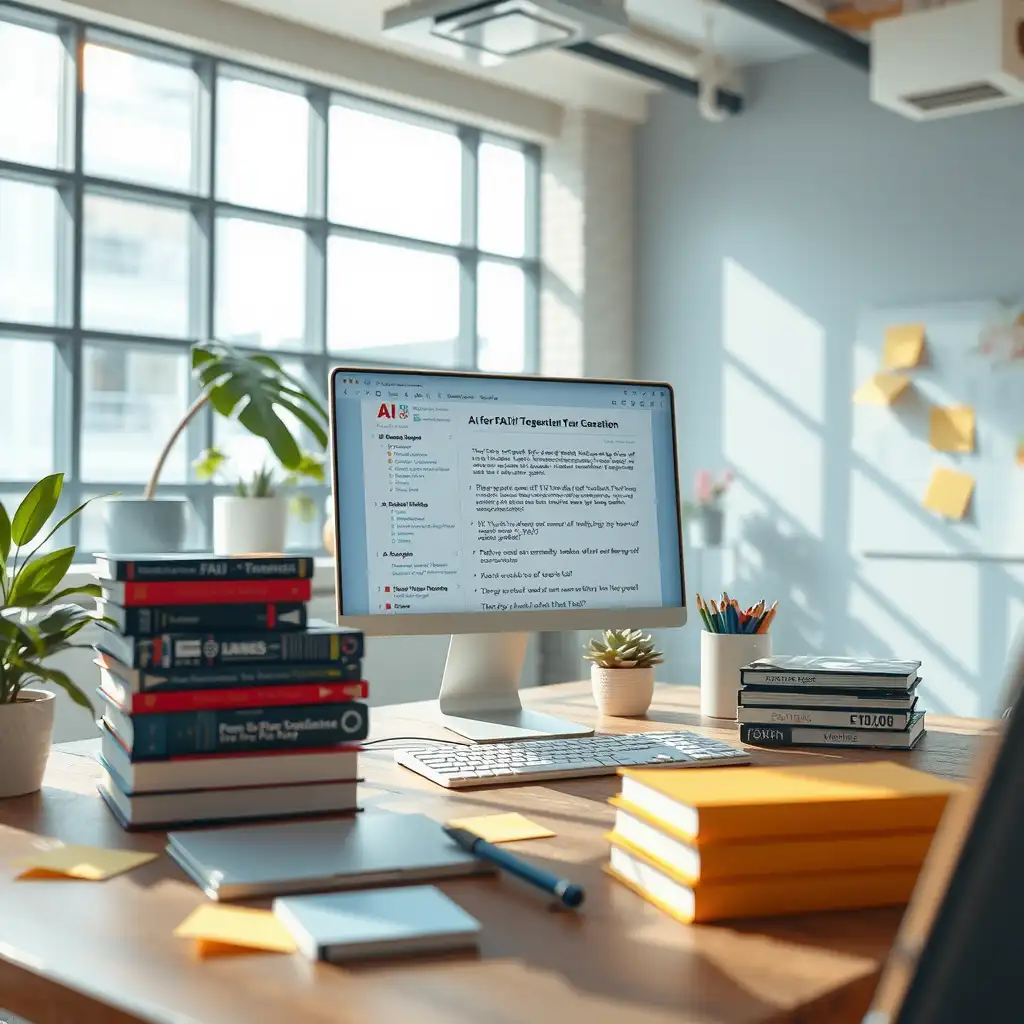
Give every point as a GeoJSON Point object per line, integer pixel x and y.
{"type": "Point", "coordinates": [461, 494]}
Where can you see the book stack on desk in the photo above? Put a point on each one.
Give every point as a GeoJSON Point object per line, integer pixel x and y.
{"type": "Point", "coordinates": [796, 701]}
{"type": "Point", "coordinates": [707, 844]}
{"type": "Point", "coordinates": [221, 700]}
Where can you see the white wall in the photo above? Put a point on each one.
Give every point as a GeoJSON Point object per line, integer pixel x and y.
{"type": "Point", "coordinates": [760, 242]}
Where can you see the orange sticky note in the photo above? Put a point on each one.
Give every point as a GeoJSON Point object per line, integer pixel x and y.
{"type": "Point", "coordinates": [219, 930]}
{"type": "Point", "coordinates": [1020, 453]}
{"type": "Point", "coordinates": [904, 347]}
{"type": "Point", "coordinates": [882, 389]}
{"type": "Point", "coordinates": [89, 863]}
{"type": "Point", "coordinates": [502, 828]}
{"type": "Point", "coordinates": [951, 428]}
{"type": "Point", "coordinates": [949, 493]}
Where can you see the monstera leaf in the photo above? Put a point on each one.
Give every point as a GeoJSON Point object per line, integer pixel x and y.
{"type": "Point", "coordinates": [256, 390]}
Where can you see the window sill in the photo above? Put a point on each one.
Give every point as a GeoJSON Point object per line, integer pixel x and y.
{"type": "Point", "coordinates": [323, 577]}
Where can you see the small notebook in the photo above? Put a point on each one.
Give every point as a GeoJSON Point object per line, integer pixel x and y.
{"type": "Point", "coordinates": [374, 848]}
{"type": "Point", "coordinates": [377, 922]}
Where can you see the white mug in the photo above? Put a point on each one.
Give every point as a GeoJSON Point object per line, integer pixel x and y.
{"type": "Point", "coordinates": [722, 655]}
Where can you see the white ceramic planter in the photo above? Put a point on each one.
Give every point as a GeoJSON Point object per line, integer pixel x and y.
{"type": "Point", "coordinates": [144, 526]}
{"type": "Point", "coordinates": [722, 655]}
{"type": "Point", "coordinates": [622, 692]}
{"type": "Point", "coordinates": [25, 730]}
{"type": "Point", "coordinates": [249, 526]}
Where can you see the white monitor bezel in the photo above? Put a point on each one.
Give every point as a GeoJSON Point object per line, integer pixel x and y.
{"type": "Point", "coordinates": [441, 623]}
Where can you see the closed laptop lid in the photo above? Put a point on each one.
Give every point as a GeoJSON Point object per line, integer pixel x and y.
{"type": "Point", "coordinates": [371, 843]}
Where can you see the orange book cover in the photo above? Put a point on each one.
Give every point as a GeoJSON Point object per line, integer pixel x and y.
{"type": "Point", "coordinates": [757, 897]}
{"type": "Point", "coordinates": [786, 855]}
{"type": "Point", "coordinates": [744, 802]}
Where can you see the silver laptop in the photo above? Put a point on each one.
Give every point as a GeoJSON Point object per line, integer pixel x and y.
{"type": "Point", "coordinates": [373, 848]}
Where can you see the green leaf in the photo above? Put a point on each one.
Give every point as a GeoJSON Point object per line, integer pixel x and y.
{"type": "Point", "coordinates": [39, 577]}
{"type": "Point", "coordinates": [61, 679]}
{"type": "Point", "coordinates": [209, 463]}
{"type": "Point", "coordinates": [69, 517]}
{"type": "Point", "coordinates": [36, 507]}
{"type": "Point", "coordinates": [5, 536]}
{"type": "Point", "coordinates": [85, 589]}
{"type": "Point", "coordinates": [252, 389]}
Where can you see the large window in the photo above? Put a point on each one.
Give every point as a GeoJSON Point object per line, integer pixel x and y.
{"type": "Point", "coordinates": [151, 198]}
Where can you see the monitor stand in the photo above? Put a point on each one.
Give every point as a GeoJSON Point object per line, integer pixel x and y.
{"type": "Point", "coordinates": [480, 692]}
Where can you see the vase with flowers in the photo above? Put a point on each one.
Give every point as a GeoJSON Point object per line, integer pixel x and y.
{"type": "Point", "coordinates": [705, 515]}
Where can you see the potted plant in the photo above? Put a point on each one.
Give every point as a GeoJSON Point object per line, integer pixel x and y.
{"type": "Point", "coordinates": [34, 626]}
{"type": "Point", "coordinates": [622, 673]}
{"type": "Point", "coordinates": [705, 515]}
{"type": "Point", "coordinates": [252, 389]}
{"type": "Point", "coordinates": [255, 518]}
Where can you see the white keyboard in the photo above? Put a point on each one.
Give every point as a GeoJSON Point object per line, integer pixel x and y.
{"type": "Point", "coordinates": [495, 764]}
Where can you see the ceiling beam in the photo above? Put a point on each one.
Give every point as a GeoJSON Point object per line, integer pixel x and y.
{"type": "Point", "coordinates": [810, 30]}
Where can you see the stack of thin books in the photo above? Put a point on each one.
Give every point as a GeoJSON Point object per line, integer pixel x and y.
{"type": "Point", "coordinates": [708, 844]}
{"type": "Point", "coordinates": [221, 700]}
{"type": "Point", "coordinates": [797, 701]}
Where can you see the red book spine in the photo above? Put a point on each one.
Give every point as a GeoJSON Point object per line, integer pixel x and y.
{"type": "Point", "coordinates": [244, 697]}
{"type": "Point", "coordinates": [216, 592]}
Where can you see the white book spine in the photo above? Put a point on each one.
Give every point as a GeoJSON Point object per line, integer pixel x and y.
{"type": "Point", "coordinates": [817, 717]}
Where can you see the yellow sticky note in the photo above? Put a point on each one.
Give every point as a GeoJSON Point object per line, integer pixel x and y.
{"type": "Point", "coordinates": [1020, 453]}
{"type": "Point", "coordinates": [949, 493]}
{"type": "Point", "coordinates": [92, 863]}
{"type": "Point", "coordinates": [502, 828]}
{"type": "Point", "coordinates": [882, 389]}
{"type": "Point", "coordinates": [951, 428]}
{"type": "Point", "coordinates": [904, 347]}
{"type": "Point", "coordinates": [219, 929]}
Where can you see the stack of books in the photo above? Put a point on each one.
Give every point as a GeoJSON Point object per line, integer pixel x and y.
{"type": "Point", "coordinates": [707, 844]}
{"type": "Point", "coordinates": [796, 701]}
{"type": "Point", "coordinates": [221, 700]}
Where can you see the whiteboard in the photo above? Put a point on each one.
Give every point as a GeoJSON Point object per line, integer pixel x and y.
{"type": "Point", "coordinates": [892, 459]}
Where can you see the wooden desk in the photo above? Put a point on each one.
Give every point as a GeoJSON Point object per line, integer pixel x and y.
{"type": "Point", "coordinates": [80, 952]}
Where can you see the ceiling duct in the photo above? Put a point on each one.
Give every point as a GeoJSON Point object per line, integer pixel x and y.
{"type": "Point", "coordinates": [487, 32]}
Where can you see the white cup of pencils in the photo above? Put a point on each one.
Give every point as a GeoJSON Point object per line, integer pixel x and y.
{"type": "Point", "coordinates": [731, 638]}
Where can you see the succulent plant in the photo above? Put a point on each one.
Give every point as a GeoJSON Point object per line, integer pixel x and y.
{"type": "Point", "coordinates": [623, 648]}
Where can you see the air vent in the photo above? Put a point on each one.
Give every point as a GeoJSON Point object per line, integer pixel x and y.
{"type": "Point", "coordinates": [962, 96]}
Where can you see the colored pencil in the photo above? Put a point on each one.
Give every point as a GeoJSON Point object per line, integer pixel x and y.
{"type": "Point", "coordinates": [726, 615]}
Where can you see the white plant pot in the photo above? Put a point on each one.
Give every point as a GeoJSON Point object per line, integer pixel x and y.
{"type": "Point", "coordinates": [722, 656]}
{"type": "Point", "coordinates": [25, 730]}
{"type": "Point", "coordinates": [622, 692]}
{"type": "Point", "coordinates": [249, 526]}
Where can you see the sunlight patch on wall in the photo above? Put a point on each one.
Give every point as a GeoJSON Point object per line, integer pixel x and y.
{"type": "Point", "coordinates": [773, 400]}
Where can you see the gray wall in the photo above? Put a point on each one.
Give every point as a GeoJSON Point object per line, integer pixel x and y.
{"type": "Point", "coordinates": [759, 243]}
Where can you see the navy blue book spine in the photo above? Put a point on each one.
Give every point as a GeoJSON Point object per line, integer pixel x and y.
{"type": "Point", "coordinates": [248, 675]}
{"type": "Point", "coordinates": [158, 570]}
{"type": "Point", "coordinates": [247, 730]}
{"type": "Point", "coordinates": [216, 650]}
{"type": "Point", "coordinates": [281, 617]}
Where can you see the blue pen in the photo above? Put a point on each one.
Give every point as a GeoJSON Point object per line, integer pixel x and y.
{"type": "Point", "coordinates": [569, 894]}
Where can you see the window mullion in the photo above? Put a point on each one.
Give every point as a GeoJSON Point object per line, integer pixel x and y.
{"type": "Point", "coordinates": [468, 262]}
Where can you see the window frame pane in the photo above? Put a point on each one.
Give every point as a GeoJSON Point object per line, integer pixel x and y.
{"type": "Point", "coordinates": [199, 199]}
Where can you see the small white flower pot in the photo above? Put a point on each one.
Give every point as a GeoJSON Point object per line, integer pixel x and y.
{"type": "Point", "coordinates": [249, 526]}
{"type": "Point", "coordinates": [622, 692]}
{"type": "Point", "coordinates": [707, 526]}
{"type": "Point", "coordinates": [25, 730]}
{"type": "Point", "coordinates": [722, 656]}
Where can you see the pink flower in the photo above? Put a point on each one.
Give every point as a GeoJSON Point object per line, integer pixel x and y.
{"type": "Point", "coordinates": [702, 486]}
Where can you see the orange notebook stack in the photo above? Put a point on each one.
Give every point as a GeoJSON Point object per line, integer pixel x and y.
{"type": "Point", "coordinates": [706, 844]}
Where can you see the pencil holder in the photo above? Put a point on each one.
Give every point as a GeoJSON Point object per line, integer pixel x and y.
{"type": "Point", "coordinates": [722, 655]}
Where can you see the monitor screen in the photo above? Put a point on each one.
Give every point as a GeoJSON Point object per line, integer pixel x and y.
{"type": "Point", "coordinates": [473, 494]}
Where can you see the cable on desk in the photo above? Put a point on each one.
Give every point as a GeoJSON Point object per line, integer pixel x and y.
{"type": "Point", "coordinates": [412, 739]}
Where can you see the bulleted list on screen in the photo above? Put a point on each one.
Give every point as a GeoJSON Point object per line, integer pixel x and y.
{"type": "Point", "coordinates": [468, 510]}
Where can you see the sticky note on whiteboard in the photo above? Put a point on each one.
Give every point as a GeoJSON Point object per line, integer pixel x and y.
{"type": "Point", "coordinates": [949, 493]}
{"type": "Point", "coordinates": [904, 347]}
{"type": "Point", "coordinates": [882, 389]}
{"type": "Point", "coordinates": [951, 428]}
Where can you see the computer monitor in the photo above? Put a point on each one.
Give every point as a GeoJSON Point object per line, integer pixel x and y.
{"type": "Point", "coordinates": [490, 507]}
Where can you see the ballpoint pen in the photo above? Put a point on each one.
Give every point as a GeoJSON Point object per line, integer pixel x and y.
{"type": "Point", "coordinates": [569, 894]}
